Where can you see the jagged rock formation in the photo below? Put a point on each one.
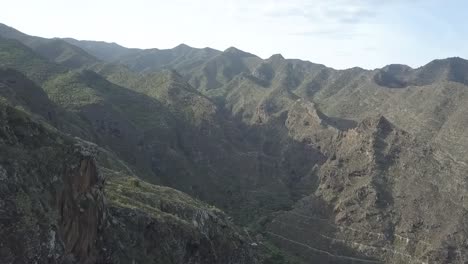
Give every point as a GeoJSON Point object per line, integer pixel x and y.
{"type": "Point", "coordinates": [52, 200]}
{"type": "Point", "coordinates": [379, 194]}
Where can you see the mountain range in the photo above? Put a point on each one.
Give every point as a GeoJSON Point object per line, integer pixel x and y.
{"type": "Point", "coordinates": [185, 155]}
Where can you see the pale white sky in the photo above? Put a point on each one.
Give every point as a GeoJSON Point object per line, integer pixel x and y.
{"type": "Point", "coordinates": [337, 33]}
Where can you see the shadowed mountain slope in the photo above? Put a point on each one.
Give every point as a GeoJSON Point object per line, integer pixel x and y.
{"type": "Point", "coordinates": [58, 207]}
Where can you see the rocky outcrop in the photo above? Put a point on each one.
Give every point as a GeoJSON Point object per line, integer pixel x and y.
{"type": "Point", "coordinates": [383, 197]}
{"type": "Point", "coordinates": [169, 227]}
{"type": "Point", "coordinates": [82, 210]}
{"type": "Point", "coordinates": [51, 196]}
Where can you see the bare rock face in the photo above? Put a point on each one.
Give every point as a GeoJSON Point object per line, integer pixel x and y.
{"type": "Point", "coordinates": [383, 197]}
{"type": "Point", "coordinates": [82, 211]}
{"type": "Point", "coordinates": [51, 195]}
{"type": "Point", "coordinates": [307, 124]}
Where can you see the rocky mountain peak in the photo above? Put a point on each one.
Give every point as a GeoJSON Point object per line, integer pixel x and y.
{"type": "Point", "coordinates": [233, 51]}
{"type": "Point", "coordinates": [182, 46]}
{"type": "Point", "coordinates": [276, 57]}
{"type": "Point", "coordinates": [376, 123]}
{"type": "Point", "coordinates": [182, 49]}
{"type": "Point", "coordinates": [397, 68]}
{"type": "Point", "coordinates": [451, 69]}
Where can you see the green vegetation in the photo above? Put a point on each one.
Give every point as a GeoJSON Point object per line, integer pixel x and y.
{"type": "Point", "coordinates": [67, 90]}
{"type": "Point", "coordinates": [134, 193]}
{"type": "Point", "coordinates": [14, 54]}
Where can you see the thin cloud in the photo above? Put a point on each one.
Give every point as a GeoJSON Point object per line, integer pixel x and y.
{"type": "Point", "coordinates": [323, 11]}
{"type": "Point", "coordinates": [330, 19]}
{"type": "Point", "coordinates": [336, 34]}
{"type": "Point", "coordinates": [369, 33]}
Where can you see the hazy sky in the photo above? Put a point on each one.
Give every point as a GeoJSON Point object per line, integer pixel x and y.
{"type": "Point", "coordinates": [338, 33]}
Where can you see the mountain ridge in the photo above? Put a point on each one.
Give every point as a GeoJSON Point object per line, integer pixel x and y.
{"type": "Point", "coordinates": [80, 43]}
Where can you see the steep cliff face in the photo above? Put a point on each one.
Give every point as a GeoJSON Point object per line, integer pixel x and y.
{"type": "Point", "coordinates": [51, 196]}
{"type": "Point", "coordinates": [82, 211]}
{"type": "Point", "coordinates": [54, 210]}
